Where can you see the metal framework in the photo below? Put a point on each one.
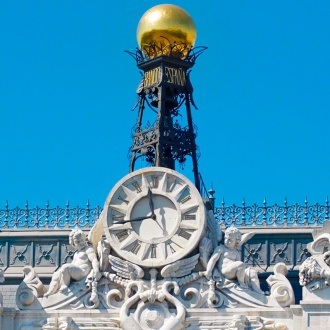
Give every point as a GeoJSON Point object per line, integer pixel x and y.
{"type": "Point", "coordinates": [166, 89]}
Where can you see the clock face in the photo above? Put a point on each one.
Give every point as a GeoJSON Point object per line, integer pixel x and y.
{"type": "Point", "coordinates": [155, 216]}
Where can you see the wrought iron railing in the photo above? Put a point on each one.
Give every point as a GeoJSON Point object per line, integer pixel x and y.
{"type": "Point", "coordinates": [253, 216]}
{"type": "Point", "coordinates": [272, 215]}
{"type": "Point", "coordinates": [57, 217]}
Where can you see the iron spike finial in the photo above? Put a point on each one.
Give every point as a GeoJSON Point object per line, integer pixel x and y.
{"type": "Point", "coordinates": [211, 191]}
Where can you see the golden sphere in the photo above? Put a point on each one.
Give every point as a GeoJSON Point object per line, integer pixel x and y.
{"type": "Point", "coordinates": [166, 30]}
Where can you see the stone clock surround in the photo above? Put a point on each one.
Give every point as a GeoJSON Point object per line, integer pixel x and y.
{"type": "Point", "coordinates": [180, 217]}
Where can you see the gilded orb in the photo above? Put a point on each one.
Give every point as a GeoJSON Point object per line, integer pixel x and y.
{"type": "Point", "coordinates": [166, 30]}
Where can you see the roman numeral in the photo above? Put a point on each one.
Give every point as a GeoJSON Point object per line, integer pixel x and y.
{"type": "Point", "coordinates": [122, 235]}
{"type": "Point", "coordinates": [123, 200]}
{"type": "Point", "coordinates": [119, 217]}
{"type": "Point", "coordinates": [172, 185]}
{"type": "Point", "coordinates": [155, 181]}
{"type": "Point", "coordinates": [172, 248]}
{"type": "Point", "coordinates": [189, 217]}
{"type": "Point", "coordinates": [185, 199]}
{"type": "Point", "coordinates": [135, 248]}
{"type": "Point", "coordinates": [184, 234]}
{"type": "Point", "coordinates": [153, 250]}
{"type": "Point", "coordinates": [137, 186]}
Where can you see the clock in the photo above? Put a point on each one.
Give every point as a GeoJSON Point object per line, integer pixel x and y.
{"type": "Point", "coordinates": [154, 216]}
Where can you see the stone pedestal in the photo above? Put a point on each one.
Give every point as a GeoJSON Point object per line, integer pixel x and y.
{"type": "Point", "coordinates": [315, 309]}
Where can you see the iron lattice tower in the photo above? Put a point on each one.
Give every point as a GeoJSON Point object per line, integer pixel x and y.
{"type": "Point", "coordinates": [166, 89]}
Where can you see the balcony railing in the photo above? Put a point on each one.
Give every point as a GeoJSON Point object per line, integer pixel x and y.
{"type": "Point", "coordinates": [272, 215]}
{"type": "Point", "coordinates": [48, 217]}
{"type": "Point", "coordinates": [252, 216]}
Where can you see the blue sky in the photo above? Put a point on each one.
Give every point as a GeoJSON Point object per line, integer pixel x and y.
{"type": "Point", "coordinates": [67, 89]}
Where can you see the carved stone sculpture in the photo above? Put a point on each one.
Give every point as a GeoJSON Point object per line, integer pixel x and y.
{"type": "Point", "coordinates": [280, 287]}
{"type": "Point", "coordinates": [84, 264]}
{"type": "Point", "coordinates": [30, 290]}
{"type": "Point", "coordinates": [81, 276]}
{"type": "Point", "coordinates": [314, 273]}
{"type": "Point", "coordinates": [157, 297]}
{"type": "Point", "coordinates": [226, 261]}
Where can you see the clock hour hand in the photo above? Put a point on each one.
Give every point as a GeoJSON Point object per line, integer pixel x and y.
{"type": "Point", "coordinates": [151, 204]}
{"type": "Point", "coordinates": [134, 219]}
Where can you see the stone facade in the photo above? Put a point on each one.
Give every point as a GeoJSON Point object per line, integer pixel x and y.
{"type": "Point", "coordinates": [195, 318]}
{"type": "Point", "coordinates": [176, 296]}
{"type": "Point", "coordinates": [191, 301]}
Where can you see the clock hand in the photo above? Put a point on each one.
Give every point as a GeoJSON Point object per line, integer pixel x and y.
{"type": "Point", "coordinates": [151, 204]}
{"type": "Point", "coordinates": [135, 219]}
{"type": "Point", "coordinates": [160, 226]}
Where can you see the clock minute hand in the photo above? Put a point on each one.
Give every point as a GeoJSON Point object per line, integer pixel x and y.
{"type": "Point", "coordinates": [135, 219]}
{"type": "Point", "coordinates": [151, 204]}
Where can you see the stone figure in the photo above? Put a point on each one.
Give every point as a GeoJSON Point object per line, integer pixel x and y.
{"type": "Point", "coordinates": [314, 272]}
{"type": "Point", "coordinates": [226, 261]}
{"type": "Point", "coordinates": [84, 264]}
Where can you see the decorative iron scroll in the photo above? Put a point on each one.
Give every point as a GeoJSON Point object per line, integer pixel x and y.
{"type": "Point", "coordinates": [179, 138]}
{"type": "Point", "coordinates": [251, 216]}
{"type": "Point", "coordinates": [171, 50]}
{"type": "Point", "coordinates": [273, 215]}
{"type": "Point", "coordinates": [57, 217]}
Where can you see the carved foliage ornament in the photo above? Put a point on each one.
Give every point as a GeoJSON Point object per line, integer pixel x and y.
{"type": "Point", "coordinates": [314, 273]}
